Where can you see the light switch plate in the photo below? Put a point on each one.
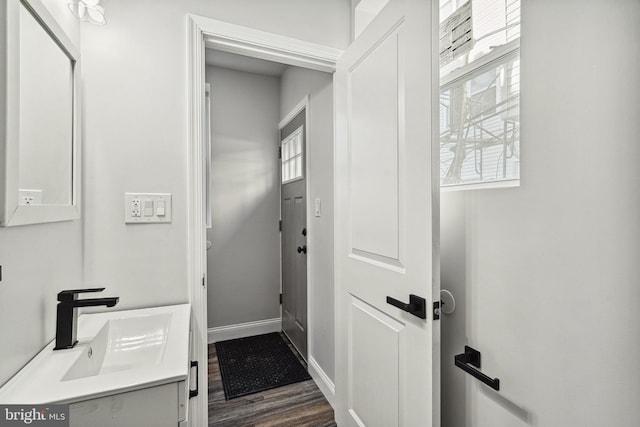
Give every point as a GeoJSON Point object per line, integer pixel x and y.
{"type": "Point", "coordinates": [140, 208]}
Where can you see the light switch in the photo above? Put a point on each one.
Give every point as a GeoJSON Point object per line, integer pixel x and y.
{"type": "Point", "coordinates": [318, 204]}
{"type": "Point", "coordinates": [148, 207]}
{"type": "Point", "coordinates": [161, 208]}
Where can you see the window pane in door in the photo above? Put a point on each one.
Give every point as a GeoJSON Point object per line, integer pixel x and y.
{"type": "Point", "coordinates": [292, 156]}
{"type": "Point", "coordinates": [298, 166]}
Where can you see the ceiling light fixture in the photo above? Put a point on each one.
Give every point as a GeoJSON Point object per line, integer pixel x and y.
{"type": "Point", "coordinates": [88, 11]}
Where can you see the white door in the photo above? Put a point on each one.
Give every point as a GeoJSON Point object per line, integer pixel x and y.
{"type": "Point", "coordinates": [387, 361]}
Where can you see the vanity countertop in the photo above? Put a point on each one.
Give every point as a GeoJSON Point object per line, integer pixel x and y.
{"type": "Point", "coordinates": [117, 351]}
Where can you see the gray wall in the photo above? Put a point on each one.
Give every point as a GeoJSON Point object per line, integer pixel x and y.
{"type": "Point", "coordinates": [243, 265]}
{"type": "Point", "coordinates": [551, 267]}
{"type": "Point", "coordinates": [37, 262]}
{"type": "Point", "coordinates": [296, 83]}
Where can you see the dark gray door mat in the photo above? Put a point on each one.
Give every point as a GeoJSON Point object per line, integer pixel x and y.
{"type": "Point", "coordinates": [258, 363]}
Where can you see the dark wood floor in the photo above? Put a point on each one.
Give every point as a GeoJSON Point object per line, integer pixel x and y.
{"type": "Point", "coordinates": [296, 405]}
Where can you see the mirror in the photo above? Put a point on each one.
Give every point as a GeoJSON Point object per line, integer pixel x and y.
{"type": "Point", "coordinates": [41, 70]}
{"type": "Point", "coordinates": [46, 117]}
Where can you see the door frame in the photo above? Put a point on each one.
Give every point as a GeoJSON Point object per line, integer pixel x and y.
{"type": "Point", "coordinates": [203, 32]}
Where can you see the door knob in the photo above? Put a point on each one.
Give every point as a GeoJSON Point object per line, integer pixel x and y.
{"type": "Point", "coordinates": [417, 305]}
{"type": "Point", "coordinates": [302, 249]}
{"type": "Point", "coordinates": [304, 232]}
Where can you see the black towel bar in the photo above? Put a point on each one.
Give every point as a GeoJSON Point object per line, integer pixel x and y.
{"type": "Point", "coordinates": [469, 360]}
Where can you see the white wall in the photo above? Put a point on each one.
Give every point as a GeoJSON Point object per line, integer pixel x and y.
{"type": "Point", "coordinates": [243, 265]}
{"type": "Point", "coordinates": [135, 78]}
{"type": "Point", "coordinates": [37, 262]}
{"type": "Point", "coordinates": [296, 83]}
{"type": "Point", "coordinates": [552, 266]}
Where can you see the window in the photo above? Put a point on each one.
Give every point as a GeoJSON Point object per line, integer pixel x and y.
{"type": "Point", "coordinates": [292, 156]}
{"type": "Point", "coordinates": [479, 92]}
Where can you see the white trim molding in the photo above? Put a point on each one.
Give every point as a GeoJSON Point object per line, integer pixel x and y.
{"type": "Point", "coordinates": [323, 381]}
{"type": "Point", "coordinates": [242, 330]}
{"type": "Point", "coordinates": [196, 250]}
{"type": "Point", "coordinates": [304, 104]}
{"type": "Point", "coordinates": [226, 37]}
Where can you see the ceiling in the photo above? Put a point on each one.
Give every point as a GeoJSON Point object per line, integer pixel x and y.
{"type": "Point", "coordinates": [247, 64]}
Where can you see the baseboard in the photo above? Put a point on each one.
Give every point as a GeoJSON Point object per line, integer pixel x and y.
{"type": "Point", "coordinates": [242, 330]}
{"type": "Point", "coordinates": [323, 381]}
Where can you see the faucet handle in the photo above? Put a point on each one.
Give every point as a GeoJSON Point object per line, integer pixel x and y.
{"type": "Point", "coordinates": [69, 294]}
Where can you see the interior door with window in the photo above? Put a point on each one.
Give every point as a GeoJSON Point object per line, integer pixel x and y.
{"type": "Point", "coordinates": [387, 355]}
{"type": "Point", "coordinates": [294, 233]}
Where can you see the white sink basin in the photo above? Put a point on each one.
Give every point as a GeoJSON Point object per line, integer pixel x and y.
{"type": "Point", "coordinates": [122, 344]}
{"type": "Point", "coordinates": [117, 351]}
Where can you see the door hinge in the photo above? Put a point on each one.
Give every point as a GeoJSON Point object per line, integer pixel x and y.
{"type": "Point", "coordinates": [204, 283]}
{"type": "Point", "coordinates": [194, 393]}
{"type": "Point", "coordinates": [280, 298]}
{"type": "Point", "coordinates": [436, 310]}
{"type": "Point", "coordinates": [280, 225]}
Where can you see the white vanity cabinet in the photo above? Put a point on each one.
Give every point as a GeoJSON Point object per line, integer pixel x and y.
{"type": "Point", "coordinates": [130, 368]}
{"type": "Point", "coordinates": [160, 406]}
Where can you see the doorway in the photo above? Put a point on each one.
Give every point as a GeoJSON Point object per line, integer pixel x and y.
{"type": "Point", "coordinates": [205, 32]}
{"type": "Point", "coordinates": [311, 126]}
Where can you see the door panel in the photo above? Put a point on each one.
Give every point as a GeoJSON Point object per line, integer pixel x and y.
{"type": "Point", "coordinates": [374, 364]}
{"type": "Point", "coordinates": [294, 262]}
{"type": "Point", "coordinates": [288, 268]}
{"type": "Point", "coordinates": [374, 174]}
{"type": "Point", "coordinates": [387, 360]}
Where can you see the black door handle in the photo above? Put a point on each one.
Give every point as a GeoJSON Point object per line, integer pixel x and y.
{"type": "Point", "coordinates": [302, 249]}
{"type": "Point", "coordinates": [417, 305]}
{"type": "Point", "coordinates": [471, 356]}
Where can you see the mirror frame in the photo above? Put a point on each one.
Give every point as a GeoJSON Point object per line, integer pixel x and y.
{"type": "Point", "coordinates": [11, 212]}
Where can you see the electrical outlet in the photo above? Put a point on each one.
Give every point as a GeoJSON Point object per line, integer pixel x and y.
{"type": "Point", "coordinates": [136, 207]}
{"type": "Point", "coordinates": [30, 197]}
{"type": "Point", "coordinates": [147, 208]}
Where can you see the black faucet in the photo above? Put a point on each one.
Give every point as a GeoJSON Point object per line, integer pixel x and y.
{"type": "Point", "coordinates": [67, 320]}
